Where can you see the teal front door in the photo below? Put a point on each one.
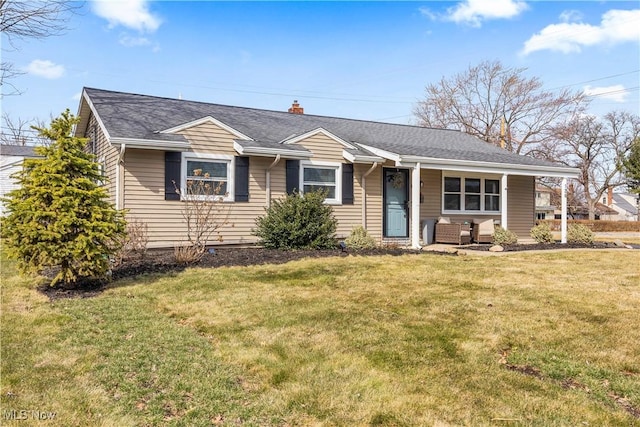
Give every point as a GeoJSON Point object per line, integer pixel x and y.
{"type": "Point", "coordinates": [396, 203]}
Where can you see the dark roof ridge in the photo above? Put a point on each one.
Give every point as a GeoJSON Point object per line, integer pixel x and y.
{"type": "Point", "coordinates": [271, 111]}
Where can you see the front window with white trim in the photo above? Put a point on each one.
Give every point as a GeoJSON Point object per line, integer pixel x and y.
{"type": "Point", "coordinates": [322, 176]}
{"type": "Point", "coordinates": [207, 176]}
{"type": "Point", "coordinates": [470, 194]}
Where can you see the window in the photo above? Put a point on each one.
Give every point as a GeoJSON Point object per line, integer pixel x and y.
{"type": "Point", "coordinates": [322, 176]}
{"type": "Point", "coordinates": [470, 194]}
{"type": "Point", "coordinates": [452, 192]}
{"type": "Point", "coordinates": [207, 176]}
{"type": "Point", "coordinates": [491, 195]}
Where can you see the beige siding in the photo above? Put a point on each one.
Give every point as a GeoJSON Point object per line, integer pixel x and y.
{"type": "Point", "coordinates": [373, 221]}
{"type": "Point", "coordinates": [211, 139]}
{"type": "Point", "coordinates": [103, 150]}
{"type": "Point", "coordinates": [323, 148]}
{"type": "Point", "coordinates": [521, 205]}
{"type": "Point", "coordinates": [431, 190]}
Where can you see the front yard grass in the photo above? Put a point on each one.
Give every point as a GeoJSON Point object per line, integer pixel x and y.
{"type": "Point", "coordinates": [523, 339]}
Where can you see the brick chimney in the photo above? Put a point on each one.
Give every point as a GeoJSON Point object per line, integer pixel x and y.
{"type": "Point", "coordinates": [609, 196]}
{"type": "Point", "coordinates": [296, 108]}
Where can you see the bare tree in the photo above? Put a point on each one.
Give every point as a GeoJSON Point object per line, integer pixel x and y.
{"type": "Point", "coordinates": [21, 132]}
{"type": "Point", "coordinates": [597, 147]}
{"type": "Point", "coordinates": [499, 105]}
{"type": "Point", "coordinates": [35, 19]}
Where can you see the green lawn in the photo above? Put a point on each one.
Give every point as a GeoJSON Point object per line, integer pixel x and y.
{"type": "Point", "coordinates": [522, 339]}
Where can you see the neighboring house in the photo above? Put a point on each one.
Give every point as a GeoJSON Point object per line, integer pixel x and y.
{"type": "Point", "coordinates": [544, 208]}
{"type": "Point", "coordinates": [621, 206]}
{"type": "Point", "coordinates": [11, 158]}
{"type": "Point", "coordinates": [388, 178]}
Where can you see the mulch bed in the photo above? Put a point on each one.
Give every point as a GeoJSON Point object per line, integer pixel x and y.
{"type": "Point", "coordinates": [544, 246]}
{"type": "Point", "coordinates": [162, 262]}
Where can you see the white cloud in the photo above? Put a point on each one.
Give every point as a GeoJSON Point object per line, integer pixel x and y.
{"type": "Point", "coordinates": [616, 93]}
{"type": "Point", "coordinates": [77, 96]}
{"type": "Point", "coordinates": [45, 68]}
{"type": "Point", "coordinates": [128, 41]}
{"type": "Point", "coordinates": [428, 13]}
{"type": "Point", "coordinates": [617, 26]}
{"type": "Point", "coordinates": [473, 12]}
{"type": "Point", "coordinates": [132, 14]}
{"type": "Point", "coordinates": [571, 16]}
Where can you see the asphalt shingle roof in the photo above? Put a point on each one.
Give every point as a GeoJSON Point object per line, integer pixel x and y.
{"type": "Point", "coordinates": [624, 204]}
{"type": "Point", "coordinates": [128, 115]}
{"type": "Point", "coordinates": [17, 150]}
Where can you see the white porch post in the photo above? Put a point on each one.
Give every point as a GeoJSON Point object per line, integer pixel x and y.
{"type": "Point", "coordinates": [563, 217]}
{"type": "Point", "coordinates": [503, 202]}
{"type": "Point", "coordinates": [415, 207]}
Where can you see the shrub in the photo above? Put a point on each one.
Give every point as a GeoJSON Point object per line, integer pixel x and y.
{"type": "Point", "coordinates": [60, 219]}
{"type": "Point", "coordinates": [134, 243]}
{"type": "Point", "coordinates": [298, 222]}
{"type": "Point", "coordinates": [579, 233]}
{"type": "Point", "coordinates": [360, 239]}
{"type": "Point", "coordinates": [541, 233]}
{"type": "Point", "coordinates": [205, 213]}
{"type": "Point", "coordinates": [502, 236]}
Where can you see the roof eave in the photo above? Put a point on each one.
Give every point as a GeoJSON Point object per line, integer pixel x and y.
{"type": "Point", "coordinates": [272, 152]}
{"type": "Point", "coordinates": [361, 158]}
{"type": "Point", "coordinates": [151, 144]}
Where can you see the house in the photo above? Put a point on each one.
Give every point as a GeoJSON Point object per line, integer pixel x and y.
{"type": "Point", "coordinates": [11, 158]}
{"type": "Point", "coordinates": [621, 206]}
{"type": "Point", "coordinates": [544, 207]}
{"type": "Point", "coordinates": [389, 178]}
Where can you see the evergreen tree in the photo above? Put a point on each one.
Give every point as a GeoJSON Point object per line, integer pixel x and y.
{"type": "Point", "coordinates": [631, 168]}
{"type": "Point", "coordinates": [59, 219]}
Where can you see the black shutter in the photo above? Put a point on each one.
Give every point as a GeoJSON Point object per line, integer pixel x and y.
{"type": "Point", "coordinates": [242, 179]}
{"type": "Point", "coordinates": [293, 175]}
{"type": "Point", "coordinates": [347, 184]}
{"type": "Point", "coordinates": [172, 163]}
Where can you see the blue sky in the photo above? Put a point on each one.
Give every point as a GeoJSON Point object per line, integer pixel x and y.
{"type": "Point", "coordinates": [364, 60]}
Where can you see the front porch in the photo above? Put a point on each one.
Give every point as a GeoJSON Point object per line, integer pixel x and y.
{"type": "Point", "coordinates": [462, 193]}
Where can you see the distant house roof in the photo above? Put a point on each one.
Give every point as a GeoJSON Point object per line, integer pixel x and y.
{"type": "Point", "coordinates": [126, 116]}
{"type": "Point", "coordinates": [620, 201]}
{"type": "Point", "coordinates": [17, 150]}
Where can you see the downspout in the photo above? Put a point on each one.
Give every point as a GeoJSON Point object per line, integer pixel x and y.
{"type": "Point", "coordinates": [364, 193]}
{"type": "Point", "coordinates": [119, 180]}
{"type": "Point", "coordinates": [271, 166]}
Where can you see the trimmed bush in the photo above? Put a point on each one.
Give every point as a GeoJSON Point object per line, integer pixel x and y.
{"type": "Point", "coordinates": [360, 239]}
{"type": "Point", "coordinates": [541, 233]}
{"type": "Point", "coordinates": [579, 233]}
{"type": "Point", "coordinates": [298, 222]}
{"type": "Point", "coordinates": [502, 236]}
